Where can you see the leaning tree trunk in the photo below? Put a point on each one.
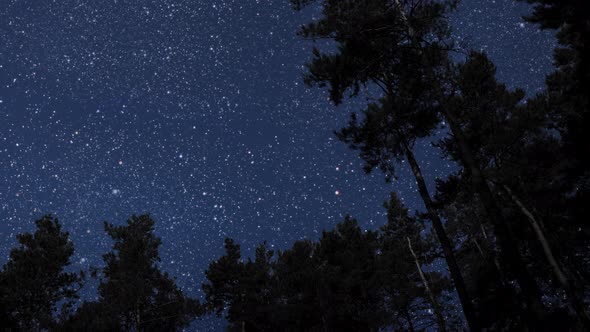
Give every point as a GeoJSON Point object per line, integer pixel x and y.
{"type": "Point", "coordinates": [445, 242]}
{"type": "Point", "coordinates": [576, 303]}
{"type": "Point", "coordinates": [495, 263]}
{"type": "Point", "coordinates": [509, 251]}
{"type": "Point", "coordinates": [439, 317]}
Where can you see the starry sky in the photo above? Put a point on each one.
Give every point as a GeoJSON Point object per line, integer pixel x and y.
{"type": "Point", "coordinates": [195, 111]}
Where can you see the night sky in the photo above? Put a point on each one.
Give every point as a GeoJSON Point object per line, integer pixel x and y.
{"type": "Point", "coordinates": [195, 111]}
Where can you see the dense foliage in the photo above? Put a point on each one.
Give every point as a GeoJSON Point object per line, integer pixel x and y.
{"type": "Point", "coordinates": [33, 281]}
{"type": "Point", "coordinates": [134, 295]}
{"type": "Point", "coordinates": [349, 280]}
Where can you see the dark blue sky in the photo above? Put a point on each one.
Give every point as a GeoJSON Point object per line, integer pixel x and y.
{"type": "Point", "coordinates": [195, 112]}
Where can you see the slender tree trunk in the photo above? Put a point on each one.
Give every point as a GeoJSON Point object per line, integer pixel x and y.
{"type": "Point", "coordinates": [439, 317]}
{"type": "Point", "coordinates": [561, 276]}
{"type": "Point", "coordinates": [503, 231]}
{"type": "Point", "coordinates": [498, 268]}
{"type": "Point", "coordinates": [494, 260]}
{"type": "Point", "coordinates": [508, 243]}
{"type": "Point", "coordinates": [483, 230]}
{"type": "Point", "coordinates": [478, 247]}
{"type": "Point", "coordinates": [445, 243]}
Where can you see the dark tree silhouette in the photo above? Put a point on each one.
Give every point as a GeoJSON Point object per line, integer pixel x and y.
{"type": "Point", "coordinates": [383, 44]}
{"type": "Point", "coordinates": [567, 103]}
{"type": "Point", "coordinates": [567, 87]}
{"type": "Point", "coordinates": [33, 282]}
{"type": "Point", "coordinates": [134, 295]}
{"type": "Point", "coordinates": [400, 47]}
{"type": "Point", "coordinates": [349, 280]}
{"type": "Point", "coordinates": [507, 134]}
{"type": "Point", "coordinates": [242, 287]}
{"type": "Point", "coordinates": [404, 253]}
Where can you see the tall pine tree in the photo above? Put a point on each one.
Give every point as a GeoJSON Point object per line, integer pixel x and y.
{"type": "Point", "coordinates": [134, 295]}
{"type": "Point", "coordinates": [400, 47]}
{"type": "Point", "coordinates": [33, 282]}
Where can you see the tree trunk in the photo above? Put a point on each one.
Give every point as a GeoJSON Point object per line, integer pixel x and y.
{"type": "Point", "coordinates": [445, 243]}
{"type": "Point", "coordinates": [561, 276]}
{"type": "Point", "coordinates": [510, 254]}
{"type": "Point", "coordinates": [439, 317]}
{"type": "Point", "coordinates": [494, 259]}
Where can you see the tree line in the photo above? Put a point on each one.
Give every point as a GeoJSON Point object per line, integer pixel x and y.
{"type": "Point", "coordinates": [509, 224]}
